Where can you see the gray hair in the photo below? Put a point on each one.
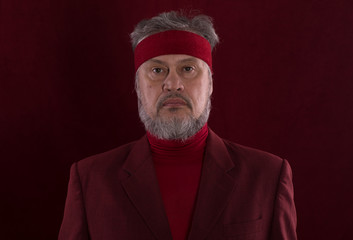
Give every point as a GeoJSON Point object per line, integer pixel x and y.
{"type": "Point", "coordinates": [199, 24]}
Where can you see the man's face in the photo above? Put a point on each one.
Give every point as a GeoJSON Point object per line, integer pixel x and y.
{"type": "Point", "coordinates": [174, 87]}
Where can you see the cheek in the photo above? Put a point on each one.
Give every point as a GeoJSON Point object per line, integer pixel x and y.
{"type": "Point", "coordinates": [150, 95]}
{"type": "Point", "coordinates": [201, 92]}
{"type": "Point", "coordinates": [202, 97]}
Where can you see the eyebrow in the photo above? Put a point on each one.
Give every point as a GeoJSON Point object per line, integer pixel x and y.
{"type": "Point", "coordinates": [156, 61]}
{"type": "Point", "coordinates": [187, 60]}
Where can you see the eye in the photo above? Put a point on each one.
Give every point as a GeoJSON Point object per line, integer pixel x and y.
{"type": "Point", "coordinates": [157, 70]}
{"type": "Point", "coordinates": [188, 69]}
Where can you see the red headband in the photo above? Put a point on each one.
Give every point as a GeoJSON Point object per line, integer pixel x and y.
{"type": "Point", "coordinates": [173, 42]}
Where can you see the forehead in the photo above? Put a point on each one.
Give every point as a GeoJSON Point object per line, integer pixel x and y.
{"type": "Point", "coordinates": [174, 59]}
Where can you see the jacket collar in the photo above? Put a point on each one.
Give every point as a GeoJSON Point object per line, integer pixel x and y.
{"type": "Point", "coordinates": [216, 185]}
{"type": "Point", "coordinates": [142, 188]}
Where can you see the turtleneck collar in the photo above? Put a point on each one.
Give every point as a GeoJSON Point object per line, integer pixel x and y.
{"type": "Point", "coordinates": [177, 148]}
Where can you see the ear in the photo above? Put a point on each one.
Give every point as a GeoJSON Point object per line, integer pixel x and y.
{"type": "Point", "coordinates": [211, 88]}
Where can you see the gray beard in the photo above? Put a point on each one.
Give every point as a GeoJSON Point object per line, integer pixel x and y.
{"type": "Point", "coordinates": [174, 128]}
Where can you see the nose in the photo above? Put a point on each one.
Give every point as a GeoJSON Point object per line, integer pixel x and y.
{"type": "Point", "coordinates": [173, 82]}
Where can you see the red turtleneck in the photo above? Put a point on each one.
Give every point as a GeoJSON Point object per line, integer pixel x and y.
{"type": "Point", "coordinates": [178, 168]}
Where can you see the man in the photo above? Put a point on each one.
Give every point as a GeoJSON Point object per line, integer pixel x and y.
{"type": "Point", "coordinates": [180, 181]}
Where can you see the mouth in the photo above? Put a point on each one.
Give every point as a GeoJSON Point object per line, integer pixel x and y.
{"type": "Point", "coordinates": [174, 103]}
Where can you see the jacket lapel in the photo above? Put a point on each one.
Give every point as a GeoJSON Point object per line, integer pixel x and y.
{"type": "Point", "coordinates": [142, 188]}
{"type": "Point", "coordinates": [216, 185]}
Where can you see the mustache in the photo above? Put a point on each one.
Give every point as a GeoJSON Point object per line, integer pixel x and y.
{"type": "Point", "coordinates": [173, 95]}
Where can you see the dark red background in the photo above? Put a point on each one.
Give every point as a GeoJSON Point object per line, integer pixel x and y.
{"type": "Point", "coordinates": [282, 83]}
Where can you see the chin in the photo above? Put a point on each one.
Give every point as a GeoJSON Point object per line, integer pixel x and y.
{"type": "Point", "coordinates": [174, 113]}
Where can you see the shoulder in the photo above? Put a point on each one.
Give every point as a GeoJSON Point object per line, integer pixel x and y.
{"type": "Point", "coordinates": [103, 162]}
{"type": "Point", "coordinates": [252, 155]}
{"type": "Point", "coordinates": [249, 160]}
{"type": "Point", "coordinates": [257, 163]}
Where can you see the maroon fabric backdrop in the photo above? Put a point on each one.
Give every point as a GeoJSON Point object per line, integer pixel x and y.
{"type": "Point", "coordinates": [282, 83]}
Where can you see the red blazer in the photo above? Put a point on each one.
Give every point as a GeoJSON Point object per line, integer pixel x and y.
{"type": "Point", "coordinates": [243, 194]}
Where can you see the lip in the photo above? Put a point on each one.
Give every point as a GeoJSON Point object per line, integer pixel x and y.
{"type": "Point", "coordinates": [174, 102]}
